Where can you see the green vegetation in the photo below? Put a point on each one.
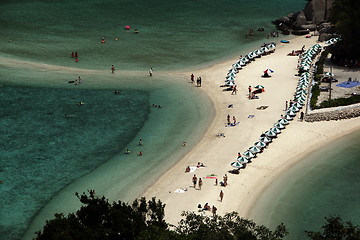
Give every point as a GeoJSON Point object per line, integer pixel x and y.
{"type": "Point", "coordinates": [345, 15]}
{"type": "Point", "coordinates": [335, 229]}
{"type": "Point", "coordinates": [98, 219]}
{"type": "Point", "coordinates": [315, 92]}
{"type": "Point", "coordinates": [340, 102]}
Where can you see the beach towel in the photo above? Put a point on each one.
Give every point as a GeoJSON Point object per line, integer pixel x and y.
{"type": "Point", "coordinates": [262, 107]}
{"type": "Point", "coordinates": [192, 169]}
{"type": "Point", "coordinates": [180, 190]}
{"type": "Point", "coordinates": [348, 84]}
{"type": "Point", "coordinates": [211, 176]}
{"type": "Point", "coordinates": [232, 125]}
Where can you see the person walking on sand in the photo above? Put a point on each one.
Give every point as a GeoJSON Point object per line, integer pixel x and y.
{"type": "Point", "coordinates": [286, 105]}
{"type": "Point", "coordinates": [302, 116]}
{"type": "Point", "coordinates": [192, 78]}
{"type": "Point", "coordinates": [200, 183]}
{"type": "Point", "coordinates": [249, 88]}
{"type": "Point", "coordinates": [194, 180]}
{"type": "Point", "coordinates": [228, 119]}
{"type": "Point", "coordinates": [112, 68]}
{"type": "Point", "coordinates": [216, 181]}
{"type": "Point", "coordinates": [221, 195]}
{"type": "Point", "coordinates": [234, 90]}
{"type": "Point", "coordinates": [234, 119]}
{"type": "Point", "coordinates": [150, 72]}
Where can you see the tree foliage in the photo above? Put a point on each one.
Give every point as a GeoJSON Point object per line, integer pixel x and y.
{"type": "Point", "coordinates": [144, 220]}
{"type": "Point", "coordinates": [345, 15]}
{"type": "Point", "coordinates": [99, 219]}
{"type": "Point", "coordinates": [336, 229]}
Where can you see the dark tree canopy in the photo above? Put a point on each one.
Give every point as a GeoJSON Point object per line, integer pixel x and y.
{"type": "Point", "coordinates": [144, 220]}
{"type": "Point", "coordinates": [336, 229]}
{"type": "Point", "coordinates": [345, 15]}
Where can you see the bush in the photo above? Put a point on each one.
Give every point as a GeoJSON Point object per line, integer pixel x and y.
{"type": "Point", "coordinates": [315, 92]}
{"type": "Point", "coordinates": [340, 102]}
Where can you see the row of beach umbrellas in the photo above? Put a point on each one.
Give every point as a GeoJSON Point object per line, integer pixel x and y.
{"type": "Point", "coordinates": [243, 61]}
{"type": "Point", "coordinates": [298, 102]}
{"type": "Point", "coordinates": [332, 41]}
{"type": "Point", "coordinates": [308, 57]}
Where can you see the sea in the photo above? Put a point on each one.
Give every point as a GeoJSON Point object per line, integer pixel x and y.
{"type": "Point", "coordinates": [58, 138]}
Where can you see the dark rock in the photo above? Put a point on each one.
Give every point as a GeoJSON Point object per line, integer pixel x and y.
{"type": "Point", "coordinates": [301, 32]}
{"type": "Point", "coordinates": [300, 20]}
{"type": "Point", "coordinates": [311, 27]}
{"type": "Point", "coordinates": [325, 36]}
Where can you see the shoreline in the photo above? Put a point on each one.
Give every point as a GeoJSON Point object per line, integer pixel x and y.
{"type": "Point", "coordinates": [217, 154]}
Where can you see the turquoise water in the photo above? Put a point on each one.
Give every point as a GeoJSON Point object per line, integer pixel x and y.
{"type": "Point", "coordinates": [46, 157]}
{"type": "Point", "coordinates": [172, 34]}
{"type": "Point", "coordinates": [321, 185]}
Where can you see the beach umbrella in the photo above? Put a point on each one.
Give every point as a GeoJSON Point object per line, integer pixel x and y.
{"type": "Point", "coordinates": [297, 104]}
{"type": "Point", "coordinates": [265, 139]}
{"type": "Point", "coordinates": [260, 144]}
{"type": "Point", "coordinates": [328, 74]}
{"type": "Point", "coordinates": [244, 60]}
{"type": "Point", "coordinates": [254, 149]}
{"type": "Point", "coordinates": [229, 83]}
{"type": "Point", "coordinates": [237, 66]}
{"type": "Point", "coordinates": [283, 121]}
{"type": "Point", "coordinates": [231, 74]}
{"type": "Point", "coordinates": [304, 92]}
{"type": "Point", "coordinates": [279, 125]}
{"type": "Point", "coordinates": [232, 70]}
{"type": "Point", "coordinates": [242, 63]}
{"type": "Point", "coordinates": [275, 130]}
{"type": "Point", "coordinates": [258, 52]}
{"type": "Point", "coordinates": [293, 108]}
{"type": "Point", "coordinates": [249, 154]}
{"type": "Point", "coordinates": [268, 71]}
{"type": "Point", "coordinates": [270, 133]}
{"type": "Point", "coordinates": [259, 87]}
{"type": "Point", "coordinates": [288, 117]}
{"type": "Point", "coordinates": [291, 113]}
{"type": "Point", "coordinates": [236, 164]}
{"type": "Point", "coordinates": [243, 160]}
{"type": "Point", "coordinates": [232, 78]}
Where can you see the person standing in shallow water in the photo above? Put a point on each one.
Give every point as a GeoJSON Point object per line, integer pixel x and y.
{"type": "Point", "coordinates": [150, 72]}
{"type": "Point", "coordinates": [112, 68]}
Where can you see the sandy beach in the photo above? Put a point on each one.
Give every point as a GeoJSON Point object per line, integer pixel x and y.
{"type": "Point", "coordinates": [295, 142]}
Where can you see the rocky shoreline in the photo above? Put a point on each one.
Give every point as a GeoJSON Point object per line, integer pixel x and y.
{"type": "Point", "coordinates": [314, 18]}
{"type": "Point", "coordinates": [338, 113]}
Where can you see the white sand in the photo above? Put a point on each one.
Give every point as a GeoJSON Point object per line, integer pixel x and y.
{"type": "Point", "coordinates": [297, 140]}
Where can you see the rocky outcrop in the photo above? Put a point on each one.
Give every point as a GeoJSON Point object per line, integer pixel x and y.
{"type": "Point", "coordinates": [337, 114]}
{"type": "Point", "coordinates": [315, 13]}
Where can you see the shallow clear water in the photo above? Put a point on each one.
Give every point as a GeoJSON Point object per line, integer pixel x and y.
{"type": "Point", "coordinates": [324, 184]}
{"type": "Point", "coordinates": [46, 158]}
